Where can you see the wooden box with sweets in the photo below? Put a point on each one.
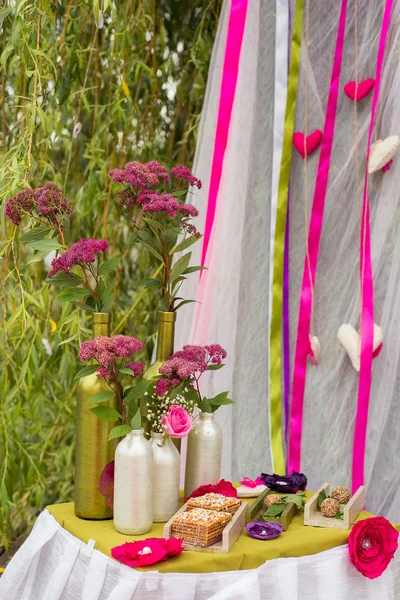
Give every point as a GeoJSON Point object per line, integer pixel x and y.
{"type": "Point", "coordinates": [209, 523]}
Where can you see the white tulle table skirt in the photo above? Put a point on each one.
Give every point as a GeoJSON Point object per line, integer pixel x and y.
{"type": "Point", "coordinates": [54, 565]}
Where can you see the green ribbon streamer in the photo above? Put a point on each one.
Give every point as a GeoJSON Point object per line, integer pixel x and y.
{"type": "Point", "coordinates": [278, 456]}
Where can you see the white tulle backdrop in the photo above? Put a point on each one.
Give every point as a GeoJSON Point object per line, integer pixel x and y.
{"type": "Point", "coordinates": [235, 305]}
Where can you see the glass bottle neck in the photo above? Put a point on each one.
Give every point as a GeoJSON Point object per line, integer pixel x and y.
{"type": "Point", "coordinates": [101, 324]}
{"type": "Point", "coordinates": [207, 416]}
{"type": "Point", "coordinates": [166, 335]}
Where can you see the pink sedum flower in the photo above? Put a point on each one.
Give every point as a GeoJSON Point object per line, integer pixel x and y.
{"type": "Point", "coordinates": [23, 202]}
{"type": "Point", "coordinates": [177, 422]}
{"type": "Point", "coordinates": [107, 350]}
{"type": "Point", "coordinates": [136, 368]}
{"type": "Point", "coordinates": [82, 252]}
{"type": "Point", "coordinates": [182, 172]}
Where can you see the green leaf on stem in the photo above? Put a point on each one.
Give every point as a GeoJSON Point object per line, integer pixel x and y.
{"type": "Point", "coordinates": [182, 303]}
{"type": "Point", "coordinates": [153, 251]}
{"type": "Point", "coordinates": [185, 244]}
{"type": "Point", "coordinates": [89, 370]}
{"type": "Point", "coordinates": [73, 294]}
{"type": "Point", "coordinates": [106, 413]}
{"type": "Point", "coordinates": [36, 234]}
{"type": "Point", "coordinates": [119, 431]}
{"type": "Point", "coordinates": [194, 270]}
{"type": "Point", "coordinates": [215, 367]}
{"type": "Point", "coordinates": [180, 266]}
{"type": "Point", "coordinates": [65, 280]}
{"type": "Point", "coordinates": [101, 397]}
{"type": "Point", "coordinates": [220, 400]}
{"type": "Point", "coordinates": [136, 392]}
{"type": "Point", "coordinates": [179, 193]}
{"type": "Point", "coordinates": [38, 256]}
{"type": "Point", "coordinates": [45, 245]}
{"type": "Point", "coordinates": [86, 307]}
{"type": "Point", "coordinates": [154, 223]}
{"type": "Point", "coordinates": [126, 371]}
{"type": "Point", "coordinates": [150, 239]}
{"type": "Point", "coordinates": [136, 421]}
{"type": "Point", "coordinates": [109, 266]}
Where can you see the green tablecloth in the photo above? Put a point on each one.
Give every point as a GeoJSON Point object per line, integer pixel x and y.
{"type": "Point", "coordinates": [247, 553]}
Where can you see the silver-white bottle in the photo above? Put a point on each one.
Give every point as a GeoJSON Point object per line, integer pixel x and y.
{"type": "Point", "coordinates": [203, 455]}
{"type": "Point", "coordinates": [167, 463]}
{"type": "Point", "coordinates": [133, 484]}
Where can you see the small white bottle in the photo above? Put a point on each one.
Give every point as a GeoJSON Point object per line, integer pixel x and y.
{"type": "Point", "coordinates": [167, 467]}
{"type": "Point", "coordinates": [133, 484]}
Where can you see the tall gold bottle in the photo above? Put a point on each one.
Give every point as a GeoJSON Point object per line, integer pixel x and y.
{"type": "Point", "coordinates": [165, 342]}
{"type": "Point", "coordinates": [93, 450]}
{"type": "Point", "coordinates": [165, 348]}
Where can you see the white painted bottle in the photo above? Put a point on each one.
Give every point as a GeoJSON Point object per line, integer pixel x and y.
{"type": "Point", "coordinates": [133, 484]}
{"type": "Point", "coordinates": [167, 466]}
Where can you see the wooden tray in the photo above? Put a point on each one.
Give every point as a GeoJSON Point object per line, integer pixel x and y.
{"type": "Point", "coordinates": [229, 535]}
{"type": "Point", "coordinates": [312, 515]}
{"type": "Point", "coordinates": [257, 507]}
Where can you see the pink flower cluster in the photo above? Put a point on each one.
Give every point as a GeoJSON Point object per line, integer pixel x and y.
{"type": "Point", "coordinates": [51, 201]}
{"type": "Point", "coordinates": [83, 251]}
{"type": "Point", "coordinates": [192, 361]}
{"type": "Point", "coordinates": [182, 172]}
{"type": "Point", "coordinates": [48, 200]}
{"type": "Point", "coordinates": [162, 386]}
{"type": "Point", "coordinates": [107, 350]}
{"type": "Point", "coordinates": [23, 202]}
{"type": "Point", "coordinates": [143, 178]}
{"type": "Point", "coordinates": [160, 203]}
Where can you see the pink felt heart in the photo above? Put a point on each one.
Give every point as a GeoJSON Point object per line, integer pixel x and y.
{"type": "Point", "coordinates": [312, 142]}
{"type": "Point", "coordinates": [363, 89]}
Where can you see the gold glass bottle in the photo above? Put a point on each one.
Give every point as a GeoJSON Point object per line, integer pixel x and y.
{"type": "Point", "coordinates": [165, 342]}
{"type": "Point", "coordinates": [93, 450]}
{"type": "Point", "coordinates": [165, 348]}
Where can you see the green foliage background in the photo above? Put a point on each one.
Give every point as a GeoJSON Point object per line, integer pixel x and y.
{"type": "Point", "coordinates": [136, 84]}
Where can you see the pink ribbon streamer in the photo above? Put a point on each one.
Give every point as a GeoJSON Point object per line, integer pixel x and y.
{"type": "Point", "coordinates": [314, 236]}
{"type": "Point", "coordinates": [367, 286]}
{"type": "Point", "coordinates": [237, 21]}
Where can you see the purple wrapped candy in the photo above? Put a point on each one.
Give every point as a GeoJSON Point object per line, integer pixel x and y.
{"type": "Point", "coordinates": [289, 483]}
{"type": "Point", "coordinates": [263, 531]}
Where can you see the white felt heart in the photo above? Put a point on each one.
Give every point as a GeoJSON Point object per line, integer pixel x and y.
{"type": "Point", "coordinates": [350, 340]}
{"type": "Point", "coordinates": [381, 152]}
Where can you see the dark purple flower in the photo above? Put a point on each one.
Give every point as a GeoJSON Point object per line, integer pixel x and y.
{"type": "Point", "coordinates": [263, 531]}
{"type": "Point", "coordinates": [288, 483]}
{"type": "Point", "coordinates": [21, 203]}
{"type": "Point", "coordinates": [51, 201]}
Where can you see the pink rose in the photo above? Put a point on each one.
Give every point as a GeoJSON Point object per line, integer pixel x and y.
{"type": "Point", "coordinates": [177, 422]}
{"type": "Point", "coordinates": [372, 544]}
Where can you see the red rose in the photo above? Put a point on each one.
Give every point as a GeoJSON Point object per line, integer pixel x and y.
{"type": "Point", "coordinates": [146, 552]}
{"type": "Point", "coordinates": [106, 487]}
{"type": "Point", "coordinates": [372, 544]}
{"type": "Point", "coordinates": [222, 487]}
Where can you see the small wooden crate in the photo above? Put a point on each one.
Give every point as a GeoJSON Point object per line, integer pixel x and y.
{"type": "Point", "coordinates": [229, 535]}
{"type": "Point", "coordinates": [286, 517]}
{"type": "Point", "coordinates": [257, 507]}
{"type": "Point", "coordinates": [312, 515]}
